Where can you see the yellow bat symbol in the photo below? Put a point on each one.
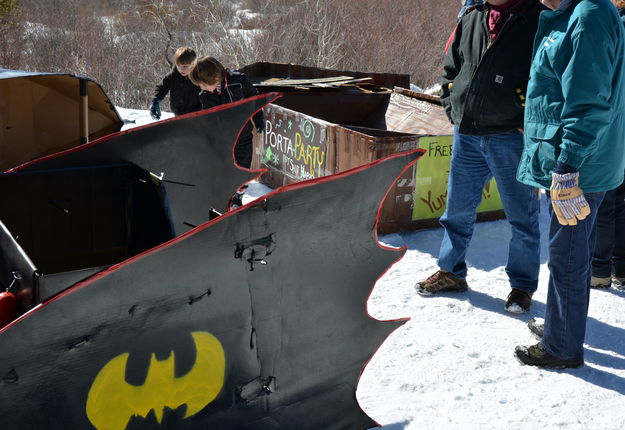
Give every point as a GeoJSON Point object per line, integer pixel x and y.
{"type": "Point", "coordinates": [112, 402]}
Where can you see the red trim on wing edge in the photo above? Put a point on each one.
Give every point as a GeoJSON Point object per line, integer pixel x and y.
{"type": "Point", "coordinates": [284, 188]}
{"type": "Point", "coordinates": [402, 251]}
{"type": "Point", "coordinates": [271, 97]}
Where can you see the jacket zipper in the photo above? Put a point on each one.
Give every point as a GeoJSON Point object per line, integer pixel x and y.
{"type": "Point", "coordinates": [491, 43]}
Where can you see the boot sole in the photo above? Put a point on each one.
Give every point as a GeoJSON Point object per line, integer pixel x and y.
{"type": "Point", "coordinates": [528, 360]}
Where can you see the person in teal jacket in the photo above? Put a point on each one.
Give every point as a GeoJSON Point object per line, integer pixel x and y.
{"type": "Point", "coordinates": [575, 147]}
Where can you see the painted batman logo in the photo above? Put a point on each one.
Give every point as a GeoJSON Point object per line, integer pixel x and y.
{"type": "Point", "coordinates": [112, 402]}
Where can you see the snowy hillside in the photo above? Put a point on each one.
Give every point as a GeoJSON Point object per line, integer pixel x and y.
{"type": "Point", "coordinates": [452, 365]}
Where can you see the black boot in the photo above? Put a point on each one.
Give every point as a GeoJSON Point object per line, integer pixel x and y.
{"type": "Point", "coordinates": [535, 355]}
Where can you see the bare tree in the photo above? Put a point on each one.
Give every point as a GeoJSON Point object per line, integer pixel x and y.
{"type": "Point", "coordinates": [324, 24]}
{"type": "Point", "coordinates": [127, 45]}
{"type": "Point", "coordinates": [401, 36]}
{"type": "Point", "coordinates": [11, 29]}
{"type": "Point", "coordinates": [308, 32]}
{"type": "Point", "coordinates": [218, 32]}
{"type": "Point", "coordinates": [165, 19]}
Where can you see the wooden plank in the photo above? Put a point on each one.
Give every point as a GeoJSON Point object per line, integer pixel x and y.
{"type": "Point", "coordinates": [332, 81]}
{"type": "Point", "coordinates": [260, 71]}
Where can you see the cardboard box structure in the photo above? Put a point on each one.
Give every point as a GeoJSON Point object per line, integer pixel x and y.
{"type": "Point", "coordinates": [373, 122]}
{"type": "Point", "coordinates": [419, 198]}
{"type": "Point", "coordinates": [45, 113]}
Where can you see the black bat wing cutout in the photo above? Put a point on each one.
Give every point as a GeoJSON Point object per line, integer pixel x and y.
{"type": "Point", "coordinates": [255, 320]}
{"type": "Point", "coordinates": [193, 154]}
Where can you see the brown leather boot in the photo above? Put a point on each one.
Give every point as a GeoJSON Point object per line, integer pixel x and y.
{"type": "Point", "coordinates": [439, 282]}
{"type": "Point", "coordinates": [518, 301]}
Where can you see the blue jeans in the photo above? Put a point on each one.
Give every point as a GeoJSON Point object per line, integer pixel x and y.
{"type": "Point", "coordinates": [609, 256]}
{"type": "Point", "coordinates": [474, 161]}
{"type": "Point", "coordinates": [570, 257]}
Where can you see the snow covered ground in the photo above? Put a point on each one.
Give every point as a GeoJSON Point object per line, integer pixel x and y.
{"type": "Point", "coordinates": [136, 118]}
{"type": "Point", "coordinates": [452, 365]}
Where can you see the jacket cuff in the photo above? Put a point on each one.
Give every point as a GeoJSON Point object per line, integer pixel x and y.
{"type": "Point", "coordinates": [570, 159]}
{"type": "Point", "coordinates": [564, 168]}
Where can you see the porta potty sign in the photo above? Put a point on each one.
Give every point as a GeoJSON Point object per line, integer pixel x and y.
{"type": "Point", "coordinates": [294, 144]}
{"type": "Point", "coordinates": [430, 191]}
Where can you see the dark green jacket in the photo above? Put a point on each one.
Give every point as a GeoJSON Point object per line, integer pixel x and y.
{"type": "Point", "coordinates": [489, 79]}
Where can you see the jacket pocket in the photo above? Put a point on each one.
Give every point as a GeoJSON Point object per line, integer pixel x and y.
{"type": "Point", "coordinates": [542, 149]}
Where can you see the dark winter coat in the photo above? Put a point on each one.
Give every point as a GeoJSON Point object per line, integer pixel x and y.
{"type": "Point", "coordinates": [489, 77]}
{"type": "Point", "coordinates": [236, 86]}
{"type": "Point", "coordinates": [183, 94]}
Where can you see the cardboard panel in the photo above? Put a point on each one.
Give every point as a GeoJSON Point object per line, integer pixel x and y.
{"type": "Point", "coordinates": [39, 115]}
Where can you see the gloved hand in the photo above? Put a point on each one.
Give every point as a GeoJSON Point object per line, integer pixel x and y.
{"type": "Point", "coordinates": [567, 198]}
{"type": "Point", "coordinates": [155, 109]}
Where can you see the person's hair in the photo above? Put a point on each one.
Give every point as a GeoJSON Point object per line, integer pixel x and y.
{"type": "Point", "coordinates": [184, 55]}
{"type": "Point", "coordinates": [207, 70]}
{"type": "Point", "coordinates": [619, 3]}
